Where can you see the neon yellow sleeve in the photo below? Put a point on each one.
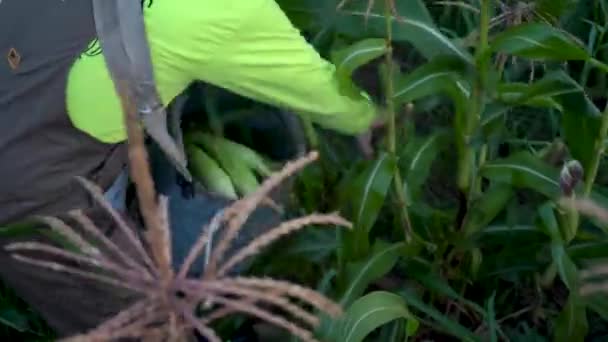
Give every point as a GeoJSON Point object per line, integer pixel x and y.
{"type": "Point", "coordinates": [248, 47]}
{"type": "Point", "coordinates": [267, 59]}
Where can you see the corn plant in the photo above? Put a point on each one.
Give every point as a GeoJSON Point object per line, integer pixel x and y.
{"type": "Point", "coordinates": [478, 213]}
{"type": "Point", "coordinates": [449, 213]}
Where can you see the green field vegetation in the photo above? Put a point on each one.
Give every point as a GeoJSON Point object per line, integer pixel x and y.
{"type": "Point", "coordinates": [464, 220]}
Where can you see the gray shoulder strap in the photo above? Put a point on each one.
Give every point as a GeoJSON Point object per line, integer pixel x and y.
{"type": "Point", "coordinates": [122, 37]}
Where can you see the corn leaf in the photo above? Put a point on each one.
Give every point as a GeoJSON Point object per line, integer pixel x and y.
{"type": "Point", "coordinates": [571, 324]}
{"type": "Point", "coordinates": [368, 313]}
{"type": "Point", "coordinates": [443, 322]}
{"type": "Point", "coordinates": [487, 207]}
{"type": "Point", "coordinates": [419, 154]}
{"type": "Point", "coordinates": [350, 58]}
{"type": "Point", "coordinates": [368, 191]}
{"type": "Point", "coordinates": [431, 78]}
{"type": "Point", "coordinates": [416, 25]}
{"type": "Point", "coordinates": [580, 117]}
{"type": "Point", "coordinates": [14, 319]}
{"type": "Point", "coordinates": [595, 249]}
{"type": "Point", "coordinates": [549, 222]}
{"type": "Point", "coordinates": [359, 275]}
{"type": "Point", "coordinates": [538, 41]}
{"type": "Point", "coordinates": [524, 170]}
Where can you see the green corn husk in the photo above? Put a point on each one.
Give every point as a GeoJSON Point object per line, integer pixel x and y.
{"type": "Point", "coordinates": [245, 155]}
{"type": "Point", "coordinates": [230, 160]}
{"type": "Point", "coordinates": [209, 172]}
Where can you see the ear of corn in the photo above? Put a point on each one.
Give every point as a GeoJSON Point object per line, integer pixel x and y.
{"type": "Point", "coordinates": [244, 154]}
{"type": "Point", "coordinates": [243, 177]}
{"type": "Point", "coordinates": [209, 172]}
{"type": "Point", "coordinates": [240, 173]}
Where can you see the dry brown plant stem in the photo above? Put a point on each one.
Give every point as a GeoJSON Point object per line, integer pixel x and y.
{"type": "Point", "coordinates": [157, 227]}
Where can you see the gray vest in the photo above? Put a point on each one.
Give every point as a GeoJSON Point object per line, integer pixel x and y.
{"type": "Point", "coordinates": [40, 150]}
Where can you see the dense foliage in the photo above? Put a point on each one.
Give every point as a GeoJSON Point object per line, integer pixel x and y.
{"type": "Point", "coordinates": [498, 119]}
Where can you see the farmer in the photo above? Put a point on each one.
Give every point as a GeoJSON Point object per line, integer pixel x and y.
{"type": "Point", "coordinates": [61, 116]}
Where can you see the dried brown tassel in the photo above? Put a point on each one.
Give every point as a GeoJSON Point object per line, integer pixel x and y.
{"type": "Point", "coordinates": [276, 233]}
{"type": "Point", "coordinates": [146, 194]}
{"type": "Point", "coordinates": [302, 293]}
{"type": "Point", "coordinates": [276, 320]}
{"type": "Point", "coordinates": [90, 227]}
{"type": "Point", "coordinates": [240, 211]}
{"type": "Point", "coordinates": [220, 288]}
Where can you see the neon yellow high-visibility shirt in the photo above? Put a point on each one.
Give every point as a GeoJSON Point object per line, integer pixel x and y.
{"type": "Point", "coordinates": [248, 47]}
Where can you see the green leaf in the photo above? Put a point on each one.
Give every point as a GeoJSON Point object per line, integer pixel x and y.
{"type": "Point", "coordinates": [517, 256]}
{"type": "Point", "coordinates": [14, 319]}
{"type": "Point", "coordinates": [598, 303]}
{"type": "Point", "coordinates": [392, 331]}
{"type": "Point", "coordinates": [412, 326]}
{"type": "Point", "coordinates": [524, 170]}
{"type": "Point", "coordinates": [539, 94]}
{"type": "Point", "coordinates": [435, 77]}
{"type": "Point", "coordinates": [417, 26]}
{"type": "Point", "coordinates": [503, 231]}
{"type": "Point", "coordinates": [324, 285]}
{"type": "Point", "coordinates": [571, 324]}
{"type": "Point", "coordinates": [580, 117]}
{"type": "Point", "coordinates": [549, 222]}
{"type": "Point", "coordinates": [552, 10]}
{"type": "Point", "coordinates": [359, 275]}
{"type": "Point", "coordinates": [555, 84]}
{"type": "Point", "coordinates": [538, 41]}
{"type": "Point", "coordinates": [25, 229]}
{"type": "Point", "coordinates": [363, 191]}
{"type": "Point", "coordinates": [580, 132]}
{"type": "Point", "coordinates": [419, 154]}
{"type": "Point", "coordinates": [350, 58]}
{"type": "Point", "coordinates": [565, 266]}
{"type": "Point", "coordinates": [548, 92]}
{"type": "Point", "coordinates": [487, 207]}
{"type": "Point", "coordinates": [310, 15]}
{"type": "Point", "coordinates": [491, 318]}
{"type": "Point", "coordinates": [368, 313]}
{"type": "Point", "coordinates": [581, 121]}
{"type": "Point", "coordinates": [446, 324]}
{"type": "Point", "coordinates": [313, 244]}
{"type": "Point", "coordinates": [35, 230]}
{"type": "Point", "coordinates": [431, 280]}
{"type": "Point", "coordinates": [589, 250]}
{"type": "Point", "coordinates": [369, 191]}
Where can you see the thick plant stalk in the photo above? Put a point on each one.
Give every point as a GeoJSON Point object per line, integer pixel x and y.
{"type": "Point", "coordinates": [403, 212]}
{"type": "Point", "coordinates": [591, 174]}
{"type": "Point", "coordinates": [152, 209]}
{"type": "Point", "coordinates": [598, 152]}
{"type": "Point", "coordinates": [476, 107]}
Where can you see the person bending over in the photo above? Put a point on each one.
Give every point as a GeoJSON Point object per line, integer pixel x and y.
{"type": "Point", "coordinates": [60, 116]}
